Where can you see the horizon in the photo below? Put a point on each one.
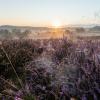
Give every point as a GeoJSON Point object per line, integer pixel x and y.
{"type": "Point", "coordinates": [69, 25]}
{"type": "Point", "coordinates": [42, 14]}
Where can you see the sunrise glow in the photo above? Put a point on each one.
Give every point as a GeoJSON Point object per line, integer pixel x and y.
{"type": "Point", "coordinates": [56, 24]}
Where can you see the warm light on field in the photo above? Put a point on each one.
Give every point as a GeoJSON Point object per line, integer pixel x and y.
{"type": "Point", "coordinates": [57, 31]}
{"type": "Point", "coordinates": [56, 24]}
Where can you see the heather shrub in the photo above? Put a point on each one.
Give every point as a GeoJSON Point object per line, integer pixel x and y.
{"type": "Point", "coordinates": [55, 69]}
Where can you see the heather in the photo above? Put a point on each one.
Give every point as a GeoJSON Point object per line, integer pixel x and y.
{"type": "Point", "coordinates": [50, 69]}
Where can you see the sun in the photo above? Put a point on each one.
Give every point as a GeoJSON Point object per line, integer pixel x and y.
{"type": "Point", "coordinates": [56, 24]}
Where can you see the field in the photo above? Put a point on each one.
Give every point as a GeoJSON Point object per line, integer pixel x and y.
{"type": "Point", "coordinates": [49, 49]}
{"type": "Point", "coordinates": [50, 69]}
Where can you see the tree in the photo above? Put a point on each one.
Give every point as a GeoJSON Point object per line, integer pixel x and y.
{"type": "Point", "coordinates": [80, 30]}
{"type": "Point", "coordinates": [5, 34]}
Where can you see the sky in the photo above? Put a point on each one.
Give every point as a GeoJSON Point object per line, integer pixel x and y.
{"type": "Point", "coordinates": [44, 12]}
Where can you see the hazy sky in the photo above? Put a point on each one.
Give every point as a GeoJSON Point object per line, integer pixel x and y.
{"type": "Point", "coordinates": [43, 12]}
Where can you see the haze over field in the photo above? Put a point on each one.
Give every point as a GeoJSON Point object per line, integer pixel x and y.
{"type": "Point", "coordinates": [23, 15]}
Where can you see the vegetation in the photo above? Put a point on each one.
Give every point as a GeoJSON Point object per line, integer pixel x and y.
{"type": "Point", "coordinates": [56, 69]}
{"type": "Point", "coordinates": [13, 33]}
